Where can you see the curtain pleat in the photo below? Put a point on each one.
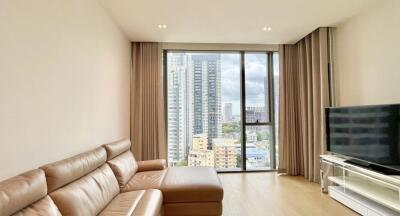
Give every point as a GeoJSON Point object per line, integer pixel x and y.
{"type": "Point", "coordinates": [304, 95]}
{"type": "Point", "coordinates": [148, 133]}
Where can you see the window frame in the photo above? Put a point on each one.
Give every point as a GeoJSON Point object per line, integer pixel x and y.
{"type": "Point", "coordinates": [271, 102]}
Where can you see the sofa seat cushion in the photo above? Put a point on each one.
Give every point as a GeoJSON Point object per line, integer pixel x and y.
{"type": "Point", "coordinates": [42, 207]}
{"type": "Point", "coordinates": [145, 180]}
{"type": "Point", "coordinates": [141, 202]}
{"type": "Point", "coordinates": [191, 184]}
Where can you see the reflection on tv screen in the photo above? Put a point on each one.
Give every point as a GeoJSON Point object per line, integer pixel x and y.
{"type": "Point", "coordinates": [369, 133]}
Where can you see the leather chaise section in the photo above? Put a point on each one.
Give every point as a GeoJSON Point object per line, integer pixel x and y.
{"type": "Point", "coordinates": [191, 184]}
{"type": "Point", "coordinates": [88, 195]}
{"type": "Point", "coordinates": [42, 207]}
{"type": "Point", "coordinates": [65, 171]}
{"type": "Point", "coordinates": [150, 165]}
{"type": "Point", "coordinates": [116, 148]}
{"type": "Point", "coordinates": [124, 167]}
{"type": "Point", "coordinates": [145, 180]}
{"type": "Point", "coordinates": [20, 191]}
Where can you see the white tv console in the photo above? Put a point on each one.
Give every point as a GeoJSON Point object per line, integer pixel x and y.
{"type": "Point", "coordinates": [363, 190]}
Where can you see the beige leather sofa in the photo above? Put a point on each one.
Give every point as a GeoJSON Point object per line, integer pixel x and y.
{"type": "Point", "coordinates": [109, 181]}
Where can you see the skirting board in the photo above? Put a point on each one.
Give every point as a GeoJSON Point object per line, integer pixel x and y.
{"type": "Point", "coordinates": [359, 203]}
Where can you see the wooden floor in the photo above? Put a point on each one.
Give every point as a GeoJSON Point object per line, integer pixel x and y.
{"type": "Point", "coordinates": [267, 194]}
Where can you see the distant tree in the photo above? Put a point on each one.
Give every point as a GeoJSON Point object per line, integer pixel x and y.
{"type": "Point", "coordinates": [238, 161]}
{"type": "Point", "coordinates": [182, 163]}
{"type": "Point", "coordinates": [259, 135]}
{"type": "Point", "coordinates": [233, 127]}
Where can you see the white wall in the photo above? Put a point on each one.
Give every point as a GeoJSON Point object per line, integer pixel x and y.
{"type": "Point", "coordinates": [367, 56]}
{"type": "Point", "coordinates": [64, 81]}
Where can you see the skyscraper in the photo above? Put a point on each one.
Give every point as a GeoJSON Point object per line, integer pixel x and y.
{"type": "Point", "coordinates": [227, 112]}
{"type": "Point", "coordinates": [266, 100]}
{"type": "Point", "coordinates": [255, 114]}
{"type": "Point", "coordinates": [179, 131]}
{"type": "Point", "coordinates": [194, 101]}
{"type": "Point", "coordinates": [207, 115]}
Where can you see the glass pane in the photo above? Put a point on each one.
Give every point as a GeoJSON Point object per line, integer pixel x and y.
{"type": "Point", "coordinates": [276, 102]}
{"type": "Point", "coordinates": [204, 109]}
{"type": "Point", "coordinates": [256, 86]}
{"type": "Point", "coordinates": [259, 141]}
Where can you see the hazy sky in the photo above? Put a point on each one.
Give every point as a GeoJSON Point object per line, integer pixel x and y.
{"type": "Point", "coordinates": [256, 71]}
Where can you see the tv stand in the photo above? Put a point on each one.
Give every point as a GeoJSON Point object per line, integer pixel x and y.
{"type": "Point", "coordinates": [373, 167]}
{"type": "Point", "coordinates": [364, 190]}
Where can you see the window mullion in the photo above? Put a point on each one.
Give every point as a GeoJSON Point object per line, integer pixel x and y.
{"type": "Point", "coordinates": [243, 108]}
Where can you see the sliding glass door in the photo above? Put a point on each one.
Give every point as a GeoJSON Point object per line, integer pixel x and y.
{"type": "Point", "coordinates": [219, 111]}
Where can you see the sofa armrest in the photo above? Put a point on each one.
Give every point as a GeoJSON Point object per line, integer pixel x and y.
{"type": "Point", "coordinates": [150, 165]}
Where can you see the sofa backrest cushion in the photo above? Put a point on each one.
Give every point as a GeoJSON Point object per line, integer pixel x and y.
{"type": "Point", "coordinates": [124, 167]}
{"type": "Point", "coordinates": [65, 171]}
{"type": "Point", "coordinates": [42, 207]}
{"type": "Point", "coordinates": [116, 148]}
{"type": "Point", "coordinates": [21, 191]}
{"type": "Point", "coordinates": [87, 195]}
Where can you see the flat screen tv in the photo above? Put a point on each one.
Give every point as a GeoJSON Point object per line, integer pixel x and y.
{"type": "Point", "coordinates": [368, 135]}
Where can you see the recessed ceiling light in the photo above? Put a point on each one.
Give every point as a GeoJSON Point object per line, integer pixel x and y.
{"type": "Point", "coordinates": [265, 28]}
{"type": "Point", "coordinates": [162, 26]}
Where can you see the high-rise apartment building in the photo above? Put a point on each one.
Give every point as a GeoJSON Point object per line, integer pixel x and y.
{"type": "Point", "coordinates": [194, 101]}
{"type": "Point", "coordinates": [179, 131]}
{"type": "Point", "coordinates": [224, 153]}
{"type": "Point", "coordinates": [266, 98]}
{"type": "Point", "coordinates": [207, 115]}
{"type": "Point", "coordinates": [227, 112]}
{"type": "Point", "coordinates": [255, 114]}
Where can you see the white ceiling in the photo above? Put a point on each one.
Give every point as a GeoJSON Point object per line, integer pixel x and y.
{"type": "Point", "coordinates": [228, 21]}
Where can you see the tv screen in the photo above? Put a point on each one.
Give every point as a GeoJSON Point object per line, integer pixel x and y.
{"type": "Point", "coordinates": [368, 133]}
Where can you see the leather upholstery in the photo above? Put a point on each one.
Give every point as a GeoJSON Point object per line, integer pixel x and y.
{"type": "Point", "coordinates": [191, 184]}
{"type": "Point", "coordinates": [150, 165]}
{"type": "Point", "coordinates": [150, 204]}
{"type": "Point", "coordinates": [65, 171]}
{"type": "Point", "coordinates": [145, 180]}
{"type": "Point", "coordinates": [116, 148]}
{"type": "Point", "coordinates": [141, 202]}
{"type": "Point", "coordinates": [193, 209]}
{"type": "Point", "coordinates": [124, 167]}
{"type": "Point", "coordinates": [20, 191]}
{"type": "Point", "coordinates": [42, 207]}
{"type": "Point", "coordinates": [123, 203]}
{"type": "Point", "coordinates": [86, 185]}
{"type": "Point", "coordinates": [88, 195]}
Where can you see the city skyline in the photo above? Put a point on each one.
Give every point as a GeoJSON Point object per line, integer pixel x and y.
{"type": "Point", "coordinates": [204, 103]}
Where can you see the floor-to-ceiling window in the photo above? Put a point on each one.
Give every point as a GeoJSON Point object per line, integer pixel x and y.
{"type": "Point", "coordinates": [220, 109]}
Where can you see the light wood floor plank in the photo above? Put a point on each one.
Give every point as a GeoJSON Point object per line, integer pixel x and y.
{"type": "Point", "coordinates": [264, 194]}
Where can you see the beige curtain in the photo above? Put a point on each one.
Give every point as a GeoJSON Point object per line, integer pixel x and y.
{"type": "Point", "coordinates": [304, 94]}
{"type": "Point", "coordinates": [147, 107]}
